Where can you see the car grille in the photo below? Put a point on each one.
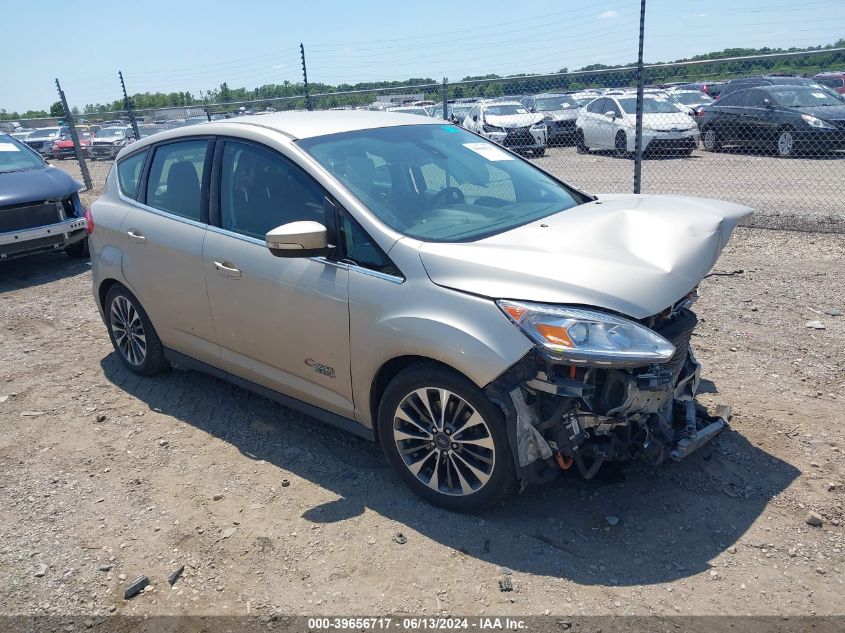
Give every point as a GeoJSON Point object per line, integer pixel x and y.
{"type": "Point", "coordinates": [29, 216]}
{"type": "Point", "coordinates": [678, 331]}
{"type": "Point", "coordinates": [519, 136]}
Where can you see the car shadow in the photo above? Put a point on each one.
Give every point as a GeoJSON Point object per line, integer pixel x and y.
{"type": "Point", "coordinates": [640, 525]}
{"type": "Point", "coordinates": [43, 268]}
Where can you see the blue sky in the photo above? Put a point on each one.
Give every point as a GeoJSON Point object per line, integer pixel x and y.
{"type": "Point", "coordinates": [174, 46]}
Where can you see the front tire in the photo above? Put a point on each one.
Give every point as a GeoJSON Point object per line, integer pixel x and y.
{"type": "Point", "coordinates": [445, 439]}
{"type": "Point", "coordinates": [785, 143]}
{"type": "Point", "coordinates": [711, 140]}
{"type": "Point", "coordinates": [581, 143]}
{"type": "Point", "coordinates": [78, 250]}
{"type": "Point", "coordinates": [132, 333]}
{"type": "Point", "coordinates": [540, 151]}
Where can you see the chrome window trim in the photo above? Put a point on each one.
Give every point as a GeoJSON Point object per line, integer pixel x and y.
{"type": "Point", "coordinates": [323, 260]}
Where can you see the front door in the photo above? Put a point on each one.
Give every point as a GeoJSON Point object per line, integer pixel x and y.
{"type": "Point", "coordinates": [282, 323]}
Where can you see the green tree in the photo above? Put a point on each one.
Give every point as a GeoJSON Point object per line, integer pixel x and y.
{"type": "Point", "coordinates": [56, 109]}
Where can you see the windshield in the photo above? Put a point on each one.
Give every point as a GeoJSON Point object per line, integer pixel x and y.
{"type": "Point", "coordinates": [547, 104]}
{"type": "Point", "coordinates": [439, 183]}
{"type": "Point", "coordinates": [801, 97]}
{"type": "Point", "coordinates": [14, 156]}
{"type": "Point", "coordinates": [505, 109]}
{"type": "Point", "coordinates": [45, 132]}
{"type": "Point", "coordinates": [584, 100]}
{"type": "Point", "coordinates": [691, 98]}
{"type": "Point", "coordinates": [650, 106]}
{"type": "Point", "coordinates": [111, 132]}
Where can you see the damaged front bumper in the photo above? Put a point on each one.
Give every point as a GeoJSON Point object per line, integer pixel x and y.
{"type": "Point", "coordinates": [560, 415]}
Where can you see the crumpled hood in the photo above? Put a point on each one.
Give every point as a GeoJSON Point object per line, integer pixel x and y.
{"type": "Point", "coordinates": [35, 185]}
{"type": "Point", "coordinates": [561, 115]}
{"type": "Point", "coordinates": [512, 120]}
{"type": "Point", "coordinates": [633, 254]}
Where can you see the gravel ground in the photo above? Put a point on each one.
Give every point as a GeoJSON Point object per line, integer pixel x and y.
{"type": "Point", "coordinates": [105, 476]}
{"type": "Point", "coordinates": [799, 192]}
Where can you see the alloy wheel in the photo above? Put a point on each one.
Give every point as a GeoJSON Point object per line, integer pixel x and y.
{"type": "Point", "coordinates": [444, 441]}
{"type": "Point", "coordinates": [710, 142]}
{"type": "Point", "coordinates": [786, 143]}
{"type": "Point", "coordinates": [128, 330]}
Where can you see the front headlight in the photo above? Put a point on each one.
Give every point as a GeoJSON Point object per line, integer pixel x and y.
{"type": "Point", "coordinates": [539, 126]}
{"type": "Point", "coordinates": [817, 123]}
{"type": "Point", "coordinates": [491, 128]}
{"type": "Point", "coordinates": [588, 337]}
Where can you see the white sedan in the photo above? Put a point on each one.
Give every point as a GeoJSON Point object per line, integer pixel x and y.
{"type": "Point", "coordinates": [609, 122]}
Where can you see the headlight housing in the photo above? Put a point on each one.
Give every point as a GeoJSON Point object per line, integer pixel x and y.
{"type": "Point", "coordinates": [539, 125]}
{"type": "Point", "coordinates": [491, 128]}
{"type": "Point", "coordinates": [588, 337]}
{"type": "Point", "coordinates": [817, 123]}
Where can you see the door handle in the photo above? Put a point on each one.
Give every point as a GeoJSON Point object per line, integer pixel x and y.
{"type": "Point", "coordinates": [227, 269]}
{"type": "Point", "coordinates": [136, 236]}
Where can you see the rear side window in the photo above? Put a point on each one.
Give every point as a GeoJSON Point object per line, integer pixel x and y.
{"type": "Point", "coordinates": [129, 174]}
{"type": "Point", "coordinates": [596, 106]}
{"type": "Point", "coordinates": [175, 181]}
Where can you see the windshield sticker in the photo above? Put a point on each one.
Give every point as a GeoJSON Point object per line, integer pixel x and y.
{"type": "Point", "coordinates": [819, 95]}
{"type": "Point", "coordinates": [490, 152]}
{"type": "Point", "coordinates": [9, 147]}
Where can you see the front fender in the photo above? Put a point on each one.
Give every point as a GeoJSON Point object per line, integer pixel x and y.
{"type": "Point", "coordinates": [387, 321]}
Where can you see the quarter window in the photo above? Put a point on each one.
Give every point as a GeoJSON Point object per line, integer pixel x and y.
{"type": "Point", "coordinates": [358, 247]}
{"type": "Point", "coordinates": [175, 181]}
{"type": "Point", "coordinates": [129, 173]}
{"type": "Point", "coordinates": [260, 190]}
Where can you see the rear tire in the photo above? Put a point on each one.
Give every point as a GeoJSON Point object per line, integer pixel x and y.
{"type": "Point", "coordinates": [540, 152]}
{"type": "Point", "coordinates": [132, 333]}
{"type": "Point", "coordinates": [620, 144]}
{"type": "Point", "coordinates": [580, 143]}
{"type": "Point", "coordinates": [445, 439]}
{"type": "Point", "coordinates": [78, 250]}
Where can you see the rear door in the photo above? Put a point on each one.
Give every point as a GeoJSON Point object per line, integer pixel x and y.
{"type": "Point", "coordinates": [593, 123]}
{"type": "Point", "coordinates": [162, 235]}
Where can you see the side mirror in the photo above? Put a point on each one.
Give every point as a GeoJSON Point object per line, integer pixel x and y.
{"type": "Point", "coordinates": [298, 239]}
{"type": "Point", "coordinates": [610, 114]}
{"type": "Point", "coordinates": [475, 117]}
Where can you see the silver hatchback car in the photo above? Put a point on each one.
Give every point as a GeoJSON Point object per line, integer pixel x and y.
{"type": "Point", "coordinates": [413, 283]}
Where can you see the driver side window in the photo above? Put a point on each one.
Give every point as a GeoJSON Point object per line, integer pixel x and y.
{"type": "Point", "coordinates": [260, 190]}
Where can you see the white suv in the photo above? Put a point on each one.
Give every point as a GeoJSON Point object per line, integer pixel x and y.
{"type": "Point", "coordinates": [609, 122]}
{"type": "Point", "coordinates": [509, 123]}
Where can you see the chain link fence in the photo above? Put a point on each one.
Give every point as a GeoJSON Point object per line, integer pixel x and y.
{"type": "Point", "coordinates": [765, 131]}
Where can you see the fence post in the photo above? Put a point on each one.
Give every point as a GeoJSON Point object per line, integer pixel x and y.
{"type": "Point", "coordinates": [77, 148]}
{"type": "Point", "coordinates": [207, 112]}
{"type": "Point", "coordinates": [305, 78]}
{"type": "Point", "coordinates": [129, 110]}
{"type": "Point", "coordinates": [446, 99]}
{"type": "Point", "coordinates": [638, 147]}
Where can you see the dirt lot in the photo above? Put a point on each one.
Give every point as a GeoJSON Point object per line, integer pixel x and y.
{"type": "Point", "coordinates": [799, 191]}
{"type": "Point", "coordinates": [105, 476]}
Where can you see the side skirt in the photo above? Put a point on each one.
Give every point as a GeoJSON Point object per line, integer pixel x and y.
{"type": "Point", "coordinates": [322, 415]}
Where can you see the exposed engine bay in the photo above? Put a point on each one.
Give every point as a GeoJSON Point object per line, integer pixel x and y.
{"type": "Point", "coordinates": [565, 415]}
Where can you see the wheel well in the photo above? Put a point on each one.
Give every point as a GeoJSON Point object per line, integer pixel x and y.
{"type": "Point", "coordinates": [103, 290]}
{"type": "Point", "coordinates": [386, 373]}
